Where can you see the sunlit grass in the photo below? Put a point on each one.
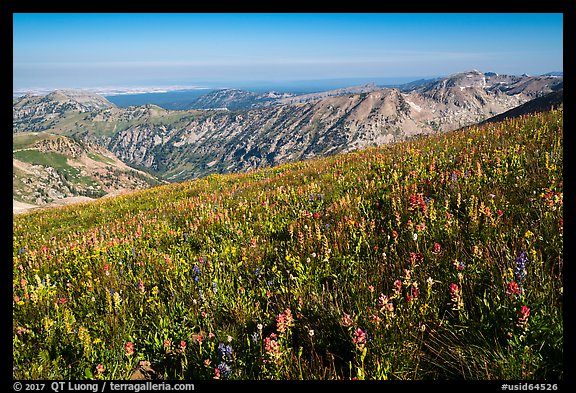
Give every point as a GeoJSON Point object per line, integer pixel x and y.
{"type": "Point", "coordinates": [438, 258]}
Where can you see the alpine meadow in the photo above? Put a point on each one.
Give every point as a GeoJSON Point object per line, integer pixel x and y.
{"type": "Point", "coordinates": [439, 257]}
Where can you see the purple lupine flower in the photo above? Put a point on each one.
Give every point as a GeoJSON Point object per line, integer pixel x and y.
{"type": "Point", "coordinates": [224, 369]}
{"type": "Point", "coordinates": [520, 269]}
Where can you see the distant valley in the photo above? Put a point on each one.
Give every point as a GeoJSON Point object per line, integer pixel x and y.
{"type": "Point", "coordinates": [232, 130]}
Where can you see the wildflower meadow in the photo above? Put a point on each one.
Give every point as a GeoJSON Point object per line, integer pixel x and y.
{"type": "Point", "coordinates": [436, 258]}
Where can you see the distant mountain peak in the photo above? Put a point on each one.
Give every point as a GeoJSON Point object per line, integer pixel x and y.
{"type": "Point", "coordinates": [86, 98]}
{"type": "Point", "coordinates": [464, 74]}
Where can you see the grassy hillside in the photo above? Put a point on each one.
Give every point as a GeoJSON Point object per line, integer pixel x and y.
{"type": "Point", "coordinates": [438, 258]}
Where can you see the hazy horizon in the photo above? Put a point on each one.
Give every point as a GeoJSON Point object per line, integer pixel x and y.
{"type": "Point", "coordinates": [87, 51]}
{"type": "Point", "coordinates": [257, 86]}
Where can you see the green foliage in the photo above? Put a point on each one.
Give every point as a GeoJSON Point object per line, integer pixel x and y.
{"type": "Point", "coordinates": [437, 258]}
{"type": "Point", "coordinates": [37, 157]}
{"type": "Point", "coordinates": [101, 158]}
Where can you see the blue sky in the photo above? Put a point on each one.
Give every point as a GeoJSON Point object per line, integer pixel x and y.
{"type": "Point", "coordinates": [95, 50]}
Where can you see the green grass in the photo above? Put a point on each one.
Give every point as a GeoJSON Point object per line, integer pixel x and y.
{"type": "Point", "coordinates": [18, 186]}
{"type": "Point", "coordinates": [36, 157]}
{"type": "Point", "coordinates": [417, 260]}
{"type": "Point", "coordinates": [101, 158]}
{"type": "Point", "coordinates": [25, 139]}
{"type": "Point", "coordinates": [59, 163]}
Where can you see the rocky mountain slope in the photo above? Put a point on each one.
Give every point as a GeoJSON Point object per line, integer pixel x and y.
{"type": "Point", "coordinates": [540, 104]}
{"type": "Point", "coordinates": [233, 99]}
{"type": "Point", "coordinates": [179, 145]}
{"type": "Point", "coordinates": [49, 169]}
{"type": "Point", "coordinates": [237, 141]}
{"type": "Point", "coordinates": [34, 113]}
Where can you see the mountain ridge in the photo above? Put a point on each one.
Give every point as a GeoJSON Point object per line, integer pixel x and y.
{"type": "Point", "coordinates": [181, 145]}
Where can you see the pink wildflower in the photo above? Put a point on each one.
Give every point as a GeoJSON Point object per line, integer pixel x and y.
{"type": "Point", "coordinates": [456, 297]}
{"type": "Point", "coordinates": [382, 301]}
{"type": "Point", "coordinates": [523, 319]}
{"type": "Point", "coordinates": [413, 294]}
{"type": "Point", "coordinates": [272, 348]}
{"type": "Point", "coordinates": [346, 320]}
{"type": "Point", "coordinates": [284, 321]}
{"type": "Point", "coordinates": [397, 287]}
{"type": "Point", "coordinates": [129, 349]}
{"type": "Point", "coordinates": [416, 257]}
{"type": "Point", "coordinates": [359, 339]}
{"type": "Point", "coordinates": [100, 369]}
{"type": "Point", "coordinates": [513, 289]}
{"type": "Point", "coordinates": [390, 307]}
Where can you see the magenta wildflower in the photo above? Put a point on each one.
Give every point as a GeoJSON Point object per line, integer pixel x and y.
{"type": "Point", "coordinates": [272, 348]}
{"type": "Point", "coordinates": [413, 294]}
{"type": "Point", "coordinates": [513, 289]}
{"type": "Point", "coordinates": [456, 297]}
{"type": "Point", "coordinates": [129, 348]}
{"type": "Point", "coordinates": [346, 320]}
{"type": "Point", "coordinates": [284, 320]}
{"type": "Point", "coordinates": [397, 287]}
{"type": "Point", "coordinates": [382, 301]}
{"type": "Point", "coordinates": [523, 319]}
{"type": "Point", "coordinates": [359, 339]}
{"type": "Point", "coordinates": [100, 369]}
{"type": "Point", "coordinates": [416, 258]}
